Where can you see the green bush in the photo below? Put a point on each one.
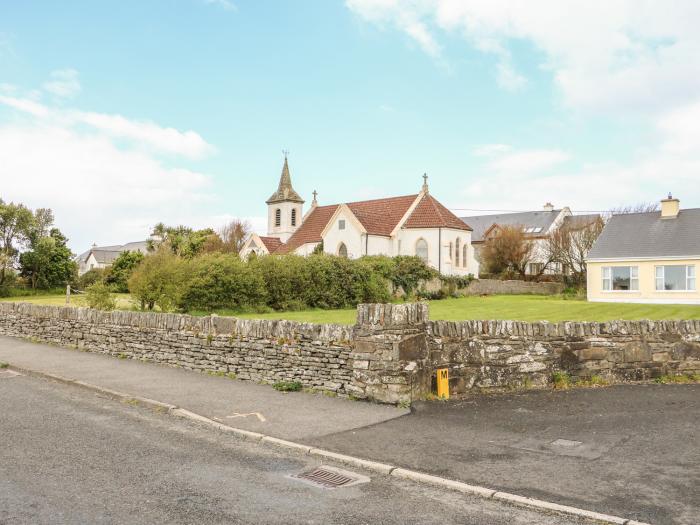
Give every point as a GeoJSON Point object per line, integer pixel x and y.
{"type": "Point", "coordinates": [90, 277]}
{"type": "Point", "coordinates": [219, 281]}
{"type": "Point", "coordinates": [98, 296]}
{"type": "Point", "coordinates": [160, 280]}
{"type": "Point", "coordinates": [117, 277]}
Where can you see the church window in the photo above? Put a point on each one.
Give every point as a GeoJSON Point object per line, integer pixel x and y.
{"type": "Point", "coordinates": [450, 250]}
{"type": "Point", "coordinates": [422, 250]}
{"type": "Point", "coordinates": [457, 252]}
{"type": "Point", "coordinates": [294, 217]}
{"type": "Point", "coordinates": [343, 250]}
{"type": "Point", "coordinates": [341, 224]}
{"type": "Point", "coordinates": [278, 217]}
{"type": "Point", "coordinates": [464, 256]}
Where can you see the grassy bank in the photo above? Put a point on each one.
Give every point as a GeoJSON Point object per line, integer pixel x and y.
{"type": "Point", "coordinates": [513, 307]}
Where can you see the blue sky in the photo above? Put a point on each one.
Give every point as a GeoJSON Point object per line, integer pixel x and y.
{"type": "Point", "coordinates": [120, 114]}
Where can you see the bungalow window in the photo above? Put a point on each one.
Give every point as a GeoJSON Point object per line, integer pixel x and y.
{"type": "Point", "coordinates": [621, 278]}
{"type": "Point", "coordinates": [677, 277]}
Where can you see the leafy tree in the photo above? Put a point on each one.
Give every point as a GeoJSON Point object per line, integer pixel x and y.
{"type": "Point", "coordinates": [99, 296]}
{"type": "Point", "coordinates": [16, 221]}
{"type": "Point", "coordinates": [180, 240]}
{"type": "Point", "coordinates": [159, 280]}
{"type": "Point", "coordinates": [49, 262]}
{"type": "Point", "coordinates": [507, 251]}
{"type": "Point", "coordinates": [118, 274]}
{"type": "Point", "coordinates": [92, 276]}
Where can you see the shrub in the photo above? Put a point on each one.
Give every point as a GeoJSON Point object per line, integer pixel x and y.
{"type": "Point", "coordinates": [159, 280]}
{"type": "Point", "coordinates": [124, 265]}
{"type": "Point", "coordinates": [222, 281]}
{"type": "Point", "coordinates": [90, 277]}
{"type": "Point", "coordinates": [561, 380]}
{"type": "Point", "coordinates": [99, 296]}
{"type": "Point", "coordinates": [287, 386]}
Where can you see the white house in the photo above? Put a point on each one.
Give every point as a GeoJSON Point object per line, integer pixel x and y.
{"type": "Point", "coordinates": [415, 224]}
{"type": "Point", "coordinates": [104, 256]}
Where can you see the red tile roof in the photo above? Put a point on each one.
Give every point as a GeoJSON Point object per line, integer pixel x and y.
{"type": "Point", "coordinates": [429, 213]}
{"type": "Point", "coordinates": [310, 230]}
{"type": "Point", "coordinates": [271, 243]}
{"type": "Point", "coordinates": [380, 216]}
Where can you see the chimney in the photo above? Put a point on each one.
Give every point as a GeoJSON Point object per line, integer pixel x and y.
{"type": "Point", "coordinates": [670, 207]}
{"type": "Point", "coordinates": [548, 207]}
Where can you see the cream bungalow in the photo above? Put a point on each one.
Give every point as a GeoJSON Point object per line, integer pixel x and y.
{"type": "Point", "coordinates": [415, 224]}
{"type": "Point", "coordinates": [647, 257]}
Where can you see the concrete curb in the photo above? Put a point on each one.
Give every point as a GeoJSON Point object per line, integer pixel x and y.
{"type": "Point", "coordinates": [381, 468]}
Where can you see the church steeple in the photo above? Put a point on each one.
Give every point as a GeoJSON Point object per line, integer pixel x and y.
{"type": "Point", "coordinates": [284, 207]}
{"type": "Point", "coordinates": [285, 192]}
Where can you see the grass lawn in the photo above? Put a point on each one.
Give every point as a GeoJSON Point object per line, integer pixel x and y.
{"type": "Point", "coordinates": [512, 307]}
{"type": "Point", "coordinates": [123, 300]}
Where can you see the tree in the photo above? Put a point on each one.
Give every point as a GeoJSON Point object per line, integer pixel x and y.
{"type": "Point", "coordinates": [118, 275]}
{"type": "Point", "coordinates": [16, 221]}
{"type": "Point", "coordinates": [180, 240]}
{"type": "Point", "coordinates": [159, 280]}
{"type": "Point", "coordinates": [570, 244]}
{"type": "Point", "coordinates": [507, 251]}
{"type": "Point", "coordinates": [234, 234]}
{"type": "Point", "coordinates": [49, 262]}
{"type": "Point", "coordinates": [641, 207]}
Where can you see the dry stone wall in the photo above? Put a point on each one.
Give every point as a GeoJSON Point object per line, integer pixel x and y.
{"type": "Point", "coordinates": [389, 355]}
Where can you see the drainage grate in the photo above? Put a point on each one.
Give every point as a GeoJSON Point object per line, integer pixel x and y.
{"type": "Point", "coordinates": [330, 478]}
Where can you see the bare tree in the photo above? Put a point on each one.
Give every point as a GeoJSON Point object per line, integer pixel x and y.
{"type": "Point", "coordinates": [570, 244]}
{"type": "Point", "coordinates": [507, 251]}
{"type": "Point", "coordinates": [234, 234]}
{"type": "Point", "coordinates": [641, 207]}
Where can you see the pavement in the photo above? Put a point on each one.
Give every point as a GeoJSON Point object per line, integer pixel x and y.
{"type": "Point", "coordinates": [628, 451]}
{"type": "Point", "coordinates": [242, 404]}
{"type": "Point", "coordinates": [69, 456]}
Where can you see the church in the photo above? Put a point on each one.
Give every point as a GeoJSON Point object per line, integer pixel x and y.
{"type": "Point", "coordinates": [407, 225]}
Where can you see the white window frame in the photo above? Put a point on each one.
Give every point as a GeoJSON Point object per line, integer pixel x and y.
{"type": "Point", "coordinates": [690, 278]}
{"type": "Point", "coordinates": [606, 276]}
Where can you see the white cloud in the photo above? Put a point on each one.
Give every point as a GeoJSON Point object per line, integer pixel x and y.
{"type": "Point", "coordinates": [603, 56]}
{"type": "Point", "coordinates": [682, 130]}
{"type": "Point", "coordinates": [526, 162]}
{"type": "Point", "coordinates": [489, 150]}
{"type": "Point", "coordinates": [103, 175]}
{"type": "Point", "coordinates": [63, 83]}
{"type": "Point", "coordinates": [508, 78]}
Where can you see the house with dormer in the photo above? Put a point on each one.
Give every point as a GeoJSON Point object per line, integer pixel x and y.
{"type": "Point", "coordinates": [416, 224]}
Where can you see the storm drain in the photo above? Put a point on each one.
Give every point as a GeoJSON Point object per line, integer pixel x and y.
{"type": "Point", "coordinates": [330, 477]}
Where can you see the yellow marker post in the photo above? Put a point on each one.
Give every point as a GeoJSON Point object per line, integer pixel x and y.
{"type": "Point", "coordinates": [443, 383]}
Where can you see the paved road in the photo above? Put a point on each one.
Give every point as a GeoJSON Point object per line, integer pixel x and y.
{"type": "Point", "coordinates": [281, 415]}
{"type": "Point", "coordinates": [638, 457]}
{"type": "Point", "coordinates": [69, 456]}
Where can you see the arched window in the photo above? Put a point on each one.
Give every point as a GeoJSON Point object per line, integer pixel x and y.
{"type": "Point", "coordinates": [457, 252]}
{"type": "Point", "coordinates": [422, 250]}
{"type": "Point", "coordinates": [294, 217]}
{"type": "Point", "coordinates": [278, 217]}
{"type": "Point", "coordinates": [342, 250]}
{"type": "Point", "coordinates": [464, 256]}
{"type": "Point", "coordinates": [450, 251]}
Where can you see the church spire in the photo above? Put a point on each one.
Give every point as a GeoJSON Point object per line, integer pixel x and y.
{"type": "Point", "coordinates": [285, 192]}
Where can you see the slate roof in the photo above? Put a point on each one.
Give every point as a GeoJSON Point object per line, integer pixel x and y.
{"type": "Point", "coordinates": [635, 235]}
{"type": "Point", "coordinates": [108, 254]}
{"type": "Point", "coordinates": [285, 192]}
{"type": "Point", "coordinates": [528, 219]}
{"type": "Point", "coordinates": [429, 213]}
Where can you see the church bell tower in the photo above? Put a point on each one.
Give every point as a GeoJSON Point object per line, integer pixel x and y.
{"type": "Point", "coordinates": [284, 208]}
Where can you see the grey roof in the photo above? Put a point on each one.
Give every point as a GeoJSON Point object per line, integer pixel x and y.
{"type": "Point", "coordinates": [527, 219]}
{"type": "Point", "coordinates": [285, 192]}
{"type": "Point", "coordinates": [107, 254]}
{"type": "Point", "coordinates": [648, 235]}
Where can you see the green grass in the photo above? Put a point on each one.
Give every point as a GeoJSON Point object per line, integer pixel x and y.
{"type": "Point", "coordinates": [511, 307]}
{"type": "Point", "coordinates": [124, 301]}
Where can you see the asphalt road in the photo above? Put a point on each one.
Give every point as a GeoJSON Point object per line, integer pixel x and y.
{"type": "Point", "coordinates": [69, 456]}
{"type": "Point", "coordinates": [631, 450]}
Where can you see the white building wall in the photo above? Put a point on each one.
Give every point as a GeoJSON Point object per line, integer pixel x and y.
{"type": "Point", "coordinates": [351, 236]}
{"type": "Point", "coordinates": [285, 230]}
{"type": "Point", "coordinates": [439, 256]}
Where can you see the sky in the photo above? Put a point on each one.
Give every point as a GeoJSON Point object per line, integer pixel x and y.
{"type": "Point", "coordinates": [119, 115]}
